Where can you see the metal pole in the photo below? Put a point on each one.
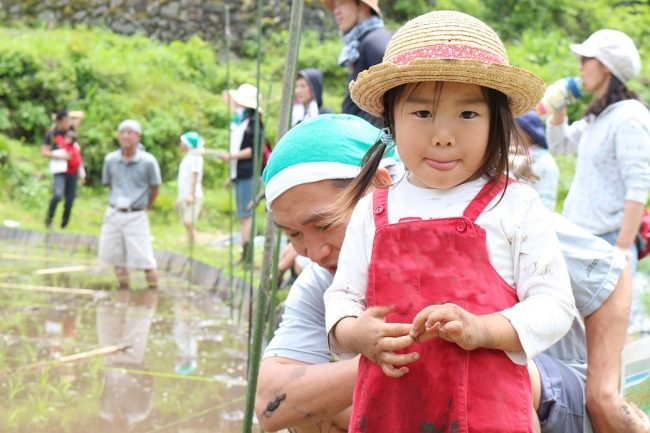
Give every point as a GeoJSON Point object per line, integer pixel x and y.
{"type": "Point", "coordinates": [269, 238]}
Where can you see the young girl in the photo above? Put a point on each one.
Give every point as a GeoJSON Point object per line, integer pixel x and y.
{"type": "Point", "coordinates": [466, 263]}
{"type": "Point", "coordinates": [190, 176]}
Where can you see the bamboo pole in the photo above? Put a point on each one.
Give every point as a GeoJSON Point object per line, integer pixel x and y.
{"type": "Point", "coordinates": [62, 270]}
{"type": "Point", "coordinates": [52, 289]}
{"type": "Point", "coordinates": [230, 195]}
{"type": "Point", "coordinates": [274, 287]}
{"type": "Point", "coordinates": [70, 359]}
{"type": "Point", "coordinates": [257, 139]}
{"type": "Point", "coordinates": [12, 256]}
{"type": "Point", "coordinates": [50, 271]}
{"type": "Point", "coordinates": [269, 238]}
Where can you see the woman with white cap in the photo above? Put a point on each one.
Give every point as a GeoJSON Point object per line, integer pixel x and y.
{"type": "Point", "coordinates": [612, 141]}
{"type": "Point", "coordinates": [242, 137]}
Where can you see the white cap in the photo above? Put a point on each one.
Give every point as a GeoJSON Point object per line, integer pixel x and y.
{"type": "Point", "coordinates": [245, 95]}
{"type": "Point", "coordinates": [131, 124]}
{"type": "Point", "coordinates": [613, 49]}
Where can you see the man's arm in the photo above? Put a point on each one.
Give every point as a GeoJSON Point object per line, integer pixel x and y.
{"type": "Point", "coordinates": [292, 393]}
{"type": "Point", "coordinates": [297, 383]}
{"type": "Point", "coordinates": [76, 117]}
{"type": "Point", "coordinates": [153, 193]}
{"type": "Point", "coordinates": [154, 182]}
{"type": "Point", "coordinates": [606, 335]}
{"type": "Point", "coordinates": [46, 151]}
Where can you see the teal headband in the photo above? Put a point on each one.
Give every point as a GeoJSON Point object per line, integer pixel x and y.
{"type": "Point", "coordinates": [329, 146]}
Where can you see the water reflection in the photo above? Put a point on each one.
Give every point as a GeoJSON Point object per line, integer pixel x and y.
{"type": "Point", "coordinates": [127, 398]}
{"type": "Point", "coordinates": [184, 371]}
{"type": "Point", "coordinates": [185, 337]}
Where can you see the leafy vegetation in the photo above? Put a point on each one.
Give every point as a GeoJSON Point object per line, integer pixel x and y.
{"type": "Point", "coordinates": [171, 88]}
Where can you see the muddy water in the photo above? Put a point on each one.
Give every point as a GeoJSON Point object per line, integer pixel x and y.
{"type": "Point", "coordinates": [171, 359]}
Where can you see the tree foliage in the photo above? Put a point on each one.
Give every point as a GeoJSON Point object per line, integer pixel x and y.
{"type": "Point", "coordinates": [176, 87]}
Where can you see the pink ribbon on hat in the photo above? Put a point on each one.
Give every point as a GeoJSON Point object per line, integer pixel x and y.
{"type": "Point", "coordinates": [447, 52]}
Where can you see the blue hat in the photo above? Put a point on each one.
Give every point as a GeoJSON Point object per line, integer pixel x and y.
{"type": "Point", "coordinates": [329, 146]}
{"type": "Point", "coordinates": [532, 125]}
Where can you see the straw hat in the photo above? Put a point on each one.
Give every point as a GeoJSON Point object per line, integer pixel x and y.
{"type": "Point", "coordinates": [373, 4]}
{"type": "Point", "coordinates": [245, 95]}
{"type": "Point", "coordinates": [446, 46]}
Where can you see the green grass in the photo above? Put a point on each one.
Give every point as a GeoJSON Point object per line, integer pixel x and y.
{"type": "Point", "coordinates": [25, 191]}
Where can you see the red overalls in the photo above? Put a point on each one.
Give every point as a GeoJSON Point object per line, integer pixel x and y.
{"type": "Point", "coordinates": [416, 263]}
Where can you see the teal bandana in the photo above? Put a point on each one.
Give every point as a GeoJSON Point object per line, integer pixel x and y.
{"type": "Point", "coordinates": [329, 146]}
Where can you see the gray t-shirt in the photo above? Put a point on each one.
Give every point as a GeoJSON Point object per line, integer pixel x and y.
{"type": "Point", "coordinates": [130, 182]}
{"type": "Point", "coordinates": [594, 268]}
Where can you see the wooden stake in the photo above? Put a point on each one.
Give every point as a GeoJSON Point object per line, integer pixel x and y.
{"type": "Point", "coordinates": [70, 359]}
{"type": "Point", "coordinates": [49, 289]}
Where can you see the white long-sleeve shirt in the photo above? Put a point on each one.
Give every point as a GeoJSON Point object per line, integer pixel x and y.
{"type": "Point", "coordinates": [521, 243]}
{"type": "Point", "coordinates": [612, 164]}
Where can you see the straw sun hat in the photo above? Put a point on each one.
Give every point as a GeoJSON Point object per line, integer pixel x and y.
{"type": "Point", "coordinates": [446, 46]}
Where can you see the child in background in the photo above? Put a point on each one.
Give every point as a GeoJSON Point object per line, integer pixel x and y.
{"type": "Point", "coordinates": [190, 174]}
{"type": "Point", "coordinates": [545, 172]}
{"type": "Point", "coordinates": [466, 262]}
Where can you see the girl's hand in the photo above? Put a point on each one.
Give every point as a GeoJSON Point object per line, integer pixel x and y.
{"type": "Point", "coordinates": [371, 336]}
{"type": "Point", "coordinates": [189, 199]}
{"type": "Point", "coordinates": [449, 322]}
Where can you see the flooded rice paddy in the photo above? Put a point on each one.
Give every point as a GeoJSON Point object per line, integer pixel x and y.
{"type": "Point", "coordinates": [77, 355]}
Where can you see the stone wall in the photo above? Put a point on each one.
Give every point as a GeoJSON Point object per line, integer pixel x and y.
{"type": "Point", "coordinates": [168, 20]}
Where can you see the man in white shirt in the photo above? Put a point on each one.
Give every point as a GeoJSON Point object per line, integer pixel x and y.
{"type": "Point", "coordinates": [300, 388]}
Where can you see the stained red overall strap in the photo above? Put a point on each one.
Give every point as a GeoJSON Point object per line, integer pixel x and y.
{"type": "Point", "coordinates": [484, 198]}
{"type": "Point", "coordinates": [423, 262]}
{"type": "Point", "coordinates": [380, 207]}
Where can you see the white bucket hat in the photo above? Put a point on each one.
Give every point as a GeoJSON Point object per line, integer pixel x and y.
{"type": "Point", "coordinates": [613, 49]}
{"type": "Point", "coordinates": [245, 95]}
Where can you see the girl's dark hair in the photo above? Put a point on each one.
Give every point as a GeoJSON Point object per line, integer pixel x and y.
{"type": "Point", "coordinates": [616, 91]}
{"type": "Point", "coordinates": [503, 137]}
{"type": "Point", "coordinates": [70, 133]}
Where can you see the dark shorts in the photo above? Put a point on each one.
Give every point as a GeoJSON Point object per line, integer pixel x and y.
{"type": "Point", "coordinates": [562, 406]}
{"type": "Point", "coordinates": [243, 196]}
